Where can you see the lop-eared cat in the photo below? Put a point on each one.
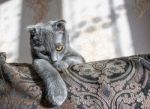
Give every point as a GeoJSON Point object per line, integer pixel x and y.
{"type": "Point", "coordinates": [52, 53]}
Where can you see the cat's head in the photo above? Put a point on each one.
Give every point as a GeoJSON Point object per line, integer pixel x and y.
{"type": "Point", "coordinates": [54, 37]}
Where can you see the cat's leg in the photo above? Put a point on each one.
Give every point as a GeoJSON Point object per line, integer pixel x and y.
{"type": "Point", "coordinates": [38, 50]}
{"type": "Point", "coordinates": [56, 91]}
{"type": "Point", "coordinates": [73, 57]}
{"type": "Point", "coordinates": [67, 61]}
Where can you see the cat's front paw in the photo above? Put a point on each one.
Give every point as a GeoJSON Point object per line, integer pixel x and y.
{"type": "Point", "coordinates": [61, 65]}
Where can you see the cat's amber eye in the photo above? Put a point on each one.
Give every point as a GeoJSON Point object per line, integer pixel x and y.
{"type": "Point", "coordinates": [59, 47]}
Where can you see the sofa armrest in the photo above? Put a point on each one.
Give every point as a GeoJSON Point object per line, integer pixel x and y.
{"type": "Point", "coordinates": [121, 83]}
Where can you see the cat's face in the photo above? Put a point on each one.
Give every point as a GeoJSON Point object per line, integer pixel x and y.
{"type": "Point", "coordinates": [53, 36]}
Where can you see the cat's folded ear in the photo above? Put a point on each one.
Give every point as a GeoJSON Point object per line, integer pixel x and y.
{"type": "Point", "coordinates": [60, 25]}
{"type": "Point", "coordinates": [31, 28]}
{"type": "Point", "coordinates": [62, 21]}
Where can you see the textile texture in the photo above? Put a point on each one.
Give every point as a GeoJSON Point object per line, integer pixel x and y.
{"type": "Point", "coordinates": [121, 83]}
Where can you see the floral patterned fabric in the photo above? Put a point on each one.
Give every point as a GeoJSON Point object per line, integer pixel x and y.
{"type": "Point", "coordinates": [121, 83]}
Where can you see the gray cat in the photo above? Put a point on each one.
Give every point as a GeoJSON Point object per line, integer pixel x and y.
{"type": "Point", "coordinates": [52, 53]}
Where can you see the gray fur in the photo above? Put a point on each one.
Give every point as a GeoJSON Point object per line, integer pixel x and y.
{"type": "Point", "coordinates": [56, 88]}
{"type": "Point", "coordinates": [52, 53]}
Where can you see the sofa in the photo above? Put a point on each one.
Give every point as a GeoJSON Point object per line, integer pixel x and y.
{"type": "Point", "coordinates": [120, 83]}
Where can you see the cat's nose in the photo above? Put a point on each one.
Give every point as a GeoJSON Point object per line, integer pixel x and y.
{"type": "Point", "coordinates": [54, 57]}
{"type": "Point", "coordinates": [54, 60]}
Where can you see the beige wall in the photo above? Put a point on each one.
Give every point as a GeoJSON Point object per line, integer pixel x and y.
{"type": "Point", "coordinates": [10, 18]}
{"type": "Point", "coordinates": [31, 15]}
{"type": "Point", "coordinates": [15, 16]}
{"type": "Point", "coordinates": [99, 29]}
{"type": "Point", "coordinates": [140, 28]}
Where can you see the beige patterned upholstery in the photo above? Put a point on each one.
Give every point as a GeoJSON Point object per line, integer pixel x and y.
{"type": "Point", "coordinates": [121, 83]}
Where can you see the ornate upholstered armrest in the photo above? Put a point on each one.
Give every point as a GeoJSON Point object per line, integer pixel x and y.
{"type": "Point", "coordinates": [121, 83]}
